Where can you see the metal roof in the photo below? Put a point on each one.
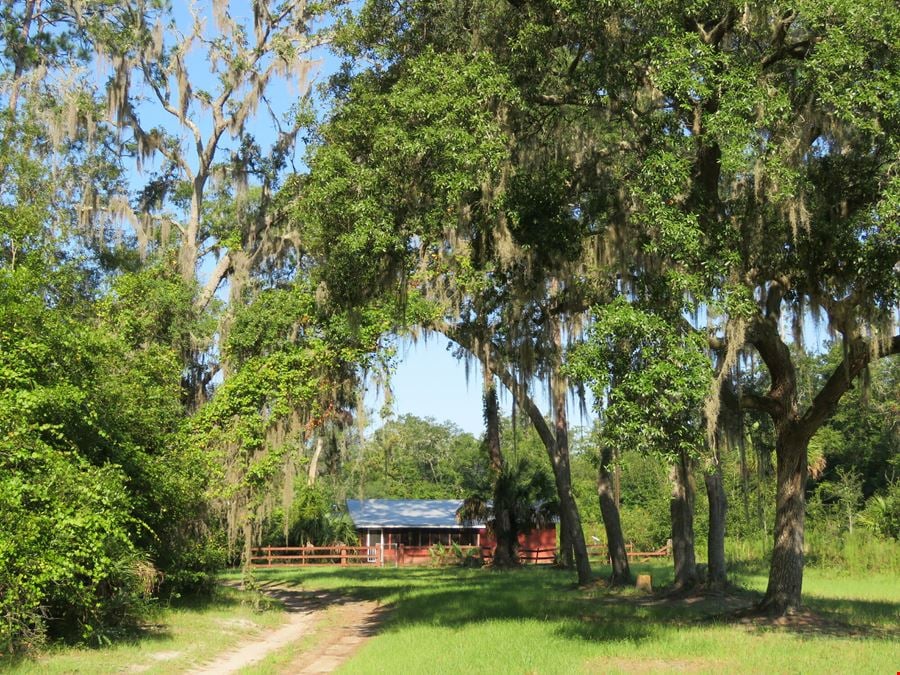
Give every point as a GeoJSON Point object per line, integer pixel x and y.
{"type": "Point", "coordinates": [388, 513]}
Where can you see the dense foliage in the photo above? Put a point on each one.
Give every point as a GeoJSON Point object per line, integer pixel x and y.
{"type": "Point", "coordinates": [659, 201]}
{"type": "Point", "coordinates": [103, 502]}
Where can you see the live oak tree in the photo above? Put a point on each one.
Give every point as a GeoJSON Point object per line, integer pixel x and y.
{"type": "Point", "coordinates": [753, 167]}
{"type": "Point", "coordinates": [765, 185]}
{"type": "Point", "coordinates": [415, 167]}
{"type": "Point", "coordinates": [769, 185]}
{"type": "Point", "coordinates": [208, 109]}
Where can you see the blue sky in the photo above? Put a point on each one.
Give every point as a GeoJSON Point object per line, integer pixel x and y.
{"type": "Point", "coordinates": [430, 382]}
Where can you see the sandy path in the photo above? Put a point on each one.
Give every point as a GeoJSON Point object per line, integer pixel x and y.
{"type": "Point", "coordinates": [357, 623]}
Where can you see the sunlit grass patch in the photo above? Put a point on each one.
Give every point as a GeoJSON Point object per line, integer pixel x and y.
{"type": "Point", "coordinates": [537, 621]}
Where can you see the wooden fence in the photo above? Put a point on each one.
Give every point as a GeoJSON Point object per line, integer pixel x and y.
{"type": "Point", "coordinates": [528, 556]}
{"type": "Point", "coordinates": [293, 556]}
{"type": "Point", "coordinates": [599, 553]}
{"type": "Point", "coordinates": [378, 555]}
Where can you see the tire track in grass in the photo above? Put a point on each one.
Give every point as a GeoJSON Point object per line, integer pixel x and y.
{"type": "Point", "coordinates": [358, 622]}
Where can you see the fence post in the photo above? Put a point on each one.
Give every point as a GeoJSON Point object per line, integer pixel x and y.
{"type": "Point", "coordinates": [343, 556]}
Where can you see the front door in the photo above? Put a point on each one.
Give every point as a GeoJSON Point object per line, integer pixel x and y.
{"type": "Point", "coordinates": [373, 539]}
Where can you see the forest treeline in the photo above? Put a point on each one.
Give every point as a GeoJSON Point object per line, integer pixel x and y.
{"type": "Point", "coordinates": [657, 202]}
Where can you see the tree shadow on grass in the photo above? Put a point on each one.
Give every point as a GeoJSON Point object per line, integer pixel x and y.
{"type": "Point", "coordinates": [452, 598]}
{"type": "Point", "coordinates": [819, 617]}
{"type": "Point", "coordinates": [875, 613]}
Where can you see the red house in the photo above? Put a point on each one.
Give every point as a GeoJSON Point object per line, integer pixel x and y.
{"type": "Point", "coordinates": [404, 530]}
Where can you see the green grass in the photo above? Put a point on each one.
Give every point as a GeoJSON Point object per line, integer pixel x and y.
{"type": "Point", "coordinates": [527, 621]}
{"type": "Point", "coordinates": [180, 636]}
{"type": "Point", "coordinates": [536, 621]}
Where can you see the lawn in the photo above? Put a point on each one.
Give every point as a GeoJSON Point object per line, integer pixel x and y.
{"type": "Point", "coordinates": [536, 621]}
{"type": "Point", "coordinates": [533, 620]}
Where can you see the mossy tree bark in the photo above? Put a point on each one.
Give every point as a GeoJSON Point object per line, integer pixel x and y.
{"type": "Point", "coordinates": [609, 510]}
{"type": "Point", "coordinates": [784, 591]}
{"type": "Point", "coordinates": [506, 551]}
{"type": "Point", "coordinates": [716, 573]}
{"type": "Point", "coordinates": [681, 507]}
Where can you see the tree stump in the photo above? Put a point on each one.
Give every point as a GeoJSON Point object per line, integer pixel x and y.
{"type": "Point", "coordinates": [644, 583]}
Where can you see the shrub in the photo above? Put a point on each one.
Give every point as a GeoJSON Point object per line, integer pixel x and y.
{"type": "Point", "coordinates": [856, 552]}
{"type": "Point", "coordinates": [882, 513]}
{"type": "Point", "coordinates": [454, 555]}
{"type": "Point", "coordinates": [644, 528]}
{"type": "Point", "coordinates": [67, 564]}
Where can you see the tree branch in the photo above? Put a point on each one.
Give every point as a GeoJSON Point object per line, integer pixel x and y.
{"type": "Point", "coordinates": [774, 295]}
{"type": "Point", "coordinates": [557, 100]}
{"type": "Point", "coordinates": [221, 270]}
{"type": "Point", "coordinates": [712, 33]}
{"type": "Point", "coordinates": [763, 335]}
{"type": "Point", "coordinates": [169, 108]}
{"type": "Point", "coordinates": [579, 55]}
{"type": "Point", "coordinates": [859, 355]}
{"type": "Point", "coordinates": [795, 50]}
{"type": "Point", "coordinates": [760, 403]}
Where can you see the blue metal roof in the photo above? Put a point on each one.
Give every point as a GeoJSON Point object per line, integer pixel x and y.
{"type": "Point", "coordinates": [388, 513]}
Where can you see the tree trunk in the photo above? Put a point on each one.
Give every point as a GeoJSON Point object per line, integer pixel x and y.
{"type": "Point", "coordinates": [609, 510]}
{"type": "Point", "coordinates": [563, 476]}
{"type": "Point", "coordinates": [715, 546]}
{"type": "Point", "coordinates": [506, 552]}
{"type": "Point", "coordinates": [313, 470]}
{"type": "Point", "coordinates": [745, 470]}
{"type": "Point", "coordinates": [188, 247]}
{"type": "Point", "coordinates": [786, 571]}
{"type": "Point", "coordinates": [572, 536]}
{"type": "Point", "coordinates": [681, 507]}
{"type": "Point", "coordinates": [560, 456]}
{"type": "Point", "coordinates": [793, 431]}
{"type": "Point", "coordinates": [566, 553]}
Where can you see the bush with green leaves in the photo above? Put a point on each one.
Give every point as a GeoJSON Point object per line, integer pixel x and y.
{"type": "Point", "coordinates": [882, 512]}
{"type": "Point", "coordinates": [68, 565]}
{"type": "Point", "coordinates": [101, 502]}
